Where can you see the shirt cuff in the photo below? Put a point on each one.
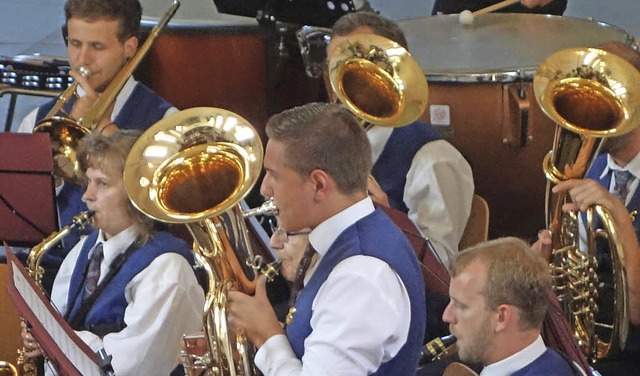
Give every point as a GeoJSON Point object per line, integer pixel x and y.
{"type": "Point", "coordinates": [273, 353]}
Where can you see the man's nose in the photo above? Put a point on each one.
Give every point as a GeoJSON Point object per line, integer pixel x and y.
{"type": "Point", "coordinates": [85, 56]}
{"type": "Point", "coordinates": [447, 315]}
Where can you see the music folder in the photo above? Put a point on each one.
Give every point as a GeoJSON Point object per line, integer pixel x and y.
{"type": "Point", "coordinates": [27, 206]}
{"type": "Point", "coordinates": [62, 345]}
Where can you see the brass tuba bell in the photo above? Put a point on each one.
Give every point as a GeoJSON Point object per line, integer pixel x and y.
{"type": "Point", "coordinates": [591, 95]}
{"type": "Point", "coordinates": [378, 80]}
{"type": "Point", "coordinates": [194, 167]}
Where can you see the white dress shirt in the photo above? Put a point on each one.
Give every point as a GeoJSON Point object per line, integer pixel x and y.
{"type": "Point", "coordinates": [29, 121]}
{"type": "Point", "coordinates": [438, 192]}
{"type": "Point", "coordinates": [517, 361]}
{"type": "Point", "coordinates": [360, 318]}
{"type": "Point", "coordinates": [164, 302]}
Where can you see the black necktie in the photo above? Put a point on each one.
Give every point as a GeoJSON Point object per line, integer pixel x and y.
{"type": "Point", "coordinates": [622, 181]}
{"type": "Point", "coordinates": [93, 271]}
{"type": "Point", "coordinates": [298, 283]}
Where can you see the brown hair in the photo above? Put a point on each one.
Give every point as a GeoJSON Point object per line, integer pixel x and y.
{"type": "Point", "coordinates": [109, 154]}
{"type": "Point", "coordinates": [324, 136]}
{"type": "Point", "coordinates": [516, 276]}
{"type": "Point", "coordinates": [380, 26]}
{"type": "Point", "coordinates": [128, 13]}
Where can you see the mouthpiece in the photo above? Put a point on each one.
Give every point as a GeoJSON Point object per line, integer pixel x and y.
{"type": "Point", "coordinates": [437, 349]}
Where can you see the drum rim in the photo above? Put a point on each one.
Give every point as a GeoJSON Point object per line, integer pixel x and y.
{"type": "Point", "coordinates": [507, 75]}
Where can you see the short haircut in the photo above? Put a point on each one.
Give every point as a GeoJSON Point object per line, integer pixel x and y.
{"type": "Point", "coordinates": [324, 136]}
{"type": "Point", "coordinates": [109, 154]}
{"type": "Point", "coordinates": [380, 26]}
{"type": "Point", "coordinates": [516, 276]}
{"type": "Point", "coordinates": [128, 13]}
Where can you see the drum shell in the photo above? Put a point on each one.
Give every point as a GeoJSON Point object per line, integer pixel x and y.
{"type": "Point", "coordinates": [477, 76]}
{"type": "Point", "coordinates": [204, 58]}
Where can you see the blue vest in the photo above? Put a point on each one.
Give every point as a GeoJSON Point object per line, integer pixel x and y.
{"type": "Point", "coordinates": [550, 363]}
{"type": "Point", "coordinates": [374, 235]}
{"type": "Point", "coordinates": [142, 109]}
{"type": "Point", "coordinates": [107, 313]}
{"type": "Point", "coordinates": [391, 168]}
{"type": "Point", "coordinates": [604, 257]}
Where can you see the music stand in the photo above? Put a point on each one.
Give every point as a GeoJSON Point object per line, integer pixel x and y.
{"type": "Point", "coordinates": [27, 206]}
{"type": "Point", "coordinates": [304, 12]}
{"type": "Point", "coordinates": [64, 348]}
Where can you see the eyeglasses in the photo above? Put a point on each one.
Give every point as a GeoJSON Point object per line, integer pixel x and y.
{"type": "Point", "coordinates": [278, 230]}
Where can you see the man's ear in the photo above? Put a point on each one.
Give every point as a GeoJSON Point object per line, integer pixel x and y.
{"type": "Point", "coordinates": [130, 47]}
{"type": "Point", "coordinates": [321, 183]}
{"type": "Point", "coordinates": [504, 316]}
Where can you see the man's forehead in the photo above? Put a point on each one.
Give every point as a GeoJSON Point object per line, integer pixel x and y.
{"type": "Point", "coordinates": [471, 279]}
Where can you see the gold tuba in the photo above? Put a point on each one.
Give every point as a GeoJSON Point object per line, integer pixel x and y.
{"type": "Point", "coordinates": [66, 133]}
{"type": "Point", "coordinates": [591, 95]}
{"type": "Point", "coordinates": [194, 167]}
{"type": "Point", "coordinates": [378, 80]}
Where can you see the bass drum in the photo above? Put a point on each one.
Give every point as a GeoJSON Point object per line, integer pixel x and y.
{"type": "Point", "coordinates": [205, 58]}
{"type": "Point", "coordinates": [481, 98]}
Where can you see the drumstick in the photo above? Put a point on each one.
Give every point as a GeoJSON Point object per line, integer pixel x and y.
{"type": "Point", "coordinates": [466, 16]}
{"type": "Point", "coordinates": [494, 7]}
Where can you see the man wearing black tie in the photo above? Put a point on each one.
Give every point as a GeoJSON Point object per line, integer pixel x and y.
{"type": "Point", "coordinates": [612, 182]}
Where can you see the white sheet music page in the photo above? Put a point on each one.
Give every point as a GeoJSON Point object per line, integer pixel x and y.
{"type": "Point", "coordinates": [76, 356]}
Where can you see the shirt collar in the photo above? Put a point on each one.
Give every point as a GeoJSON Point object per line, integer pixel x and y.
{"type": "Point", "coordinates": [323, 236]}
{"type": "Point", "coordinates": [117, 244]}
{"type": "Point", "coordinates": [633, 166]}
{"type": "Point", "coordinates": [516, 361]}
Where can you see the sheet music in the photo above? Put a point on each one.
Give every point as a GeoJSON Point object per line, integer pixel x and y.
{"type": "Point", "coordinates": [77, 357]}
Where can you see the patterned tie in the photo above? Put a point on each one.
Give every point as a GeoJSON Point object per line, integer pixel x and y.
{"type": "Point", "coordinates": [622, 179]}
{"type": "Point", "coordinates": [93, 271]}
{"type": "Point", "coordinates": [298, 283]}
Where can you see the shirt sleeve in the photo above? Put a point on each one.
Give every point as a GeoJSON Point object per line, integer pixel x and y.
{"type": "Point", "coordinates": [29, 122]}
{"type": "Point", "coordinates": [361, 317]}
{"type": "Point", "coordinates": [438, 193]}
{"type": "Point", "coordinates": [164, 302]}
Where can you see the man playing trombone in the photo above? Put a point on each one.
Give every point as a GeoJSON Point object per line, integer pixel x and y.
{"type": "Point", "coordinates": [101, 36]}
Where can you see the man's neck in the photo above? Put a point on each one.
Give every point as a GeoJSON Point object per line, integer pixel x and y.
{"type": "Point", "coordinates": [506, 347]}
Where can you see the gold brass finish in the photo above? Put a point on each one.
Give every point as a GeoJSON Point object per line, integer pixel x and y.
{"type": "Point", "coordinates": [194, 167]}
{"type": "Point", "coordinates": [591, 95]}
{"type": "Point", "coordinates": [8, 367]}
{"type": "Point", "coordinates": [378, 80]}
{"type": "Point", "coordinates": [66, 133]}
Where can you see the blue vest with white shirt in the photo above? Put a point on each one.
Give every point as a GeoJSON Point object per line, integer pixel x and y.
{"type": "Point", "coordinates": [142, 109]}
{"type": "Point", "coordinates": [550, 363]}
{"type": "Point", "coordinates": [392, 167]}
{"type": "Point", "coordinates": [107, 313]}
{"type": "Point", "coordinates": [374, 235]}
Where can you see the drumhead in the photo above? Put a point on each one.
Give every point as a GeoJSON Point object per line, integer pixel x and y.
{"type": "Point", "coordinates": [498, 47]}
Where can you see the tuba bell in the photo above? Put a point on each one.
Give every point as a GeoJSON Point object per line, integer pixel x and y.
{"type": "Point", "coordinates": [378, 80]}
{"type": "Point", "coordinates": [591, 95]}
{"type": "Point", "coordinates": [65, 133]}
{"type": "Point", "coordinates": [194, 167]}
